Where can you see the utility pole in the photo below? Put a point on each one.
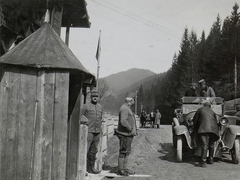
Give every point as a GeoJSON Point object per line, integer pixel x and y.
{"type": "Point", "coordinates": [136, 104]}
{"type": "Point", "coordinates": [235, 63]}
{"type": "Point", "coordinates": [235, 77]}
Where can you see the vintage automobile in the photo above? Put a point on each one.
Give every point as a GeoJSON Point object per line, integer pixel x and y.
{"type": "Point", "coordinates": [184, 137]}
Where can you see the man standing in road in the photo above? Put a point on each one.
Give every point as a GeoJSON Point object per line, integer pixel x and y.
{"type": "Point", "coordinates": [157, 119]}
{"type": "Point", "coordinates": [125, 131]}
{"type": "Point", "coordinates": [93, 111]}
{"type": "Point", "coordinates": [152, 117]}
{"type": "Point", "coordinates": [206, 126]}
{"type": "Point", "coordinates": [143, 118]}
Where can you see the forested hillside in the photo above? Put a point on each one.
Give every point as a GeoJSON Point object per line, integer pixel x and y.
{"type": "Point", "coordinates": [124, 79]}
{"type": "Point", "coordinates": [112, 87]}
{"type": "Point", "coordinates": [214, 58]}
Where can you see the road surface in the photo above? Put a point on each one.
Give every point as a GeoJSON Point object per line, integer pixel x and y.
{"type": "Point", "coordinates": [153, 154]}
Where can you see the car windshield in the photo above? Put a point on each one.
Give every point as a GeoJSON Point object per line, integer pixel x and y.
{"type": "Point", "coordinates": [198, 100]}
{"type": "Point", "coordinates": [191, 104]}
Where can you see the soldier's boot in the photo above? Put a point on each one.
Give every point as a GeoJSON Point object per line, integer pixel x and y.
{"type": "Point", "coordinates": [125, 166]}
{"type": "Point", "coordinates": [203, 161]}
{"type": "Point", "coordinates": [88, 166]}
{"type": "Point", "coordinates": [120, 167]}
{"type": "Point", "coordinates": [93, 169]}
{"type": "Point", "coordinates": [91, 164]}
{"type": "Point", "coordinates": [210, 158]}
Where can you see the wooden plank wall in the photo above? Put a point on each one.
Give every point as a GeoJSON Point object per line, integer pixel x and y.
{"type": "Point", "coordinates": [9, 119]}
{"type": "Point", "coordinates": [60, 126]}
{"type": "Point", "coordinates": [33, 124]}
{"type": "Point", "coordinates": [75, 99]}
{"type": "Point", "coordinates": [27, 102]}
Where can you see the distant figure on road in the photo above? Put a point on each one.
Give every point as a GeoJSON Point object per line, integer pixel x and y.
{"type": "Point", "coordinates": [157, 119]}
{"type": "Point", "coordinates": [126, 130]}
{"type": "Point", "coordinates": [192, 92]}
{"type": "Point", "coordinates": [143, 118]}
{"type": "Point", "coordinates": [152, 117]}
{"type": "Point", "coordinates": [93, 111]}
{"type": "Point", "coordinates": [206, 126]}
{"type": "Point", "coordinates": [238, 114]}
{"type": "Point", "coordinates": [238, 110]}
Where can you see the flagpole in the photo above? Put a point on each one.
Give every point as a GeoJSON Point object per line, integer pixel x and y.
{"type": "Point", "coordinates": [98, 57]}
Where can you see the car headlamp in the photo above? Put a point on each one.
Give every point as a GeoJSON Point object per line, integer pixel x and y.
{"type": "Point", "coordinates": [224, 121]}
{"type": "Point", "coordinates": [190, 121]}
{"type": "Point", "coordinates": [190, 130]}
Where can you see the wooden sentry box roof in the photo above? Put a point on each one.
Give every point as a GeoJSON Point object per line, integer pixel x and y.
{"type": "Point", "coordinates": [44, 49]}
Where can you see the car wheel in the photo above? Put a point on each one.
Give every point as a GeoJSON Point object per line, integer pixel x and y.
{"type": "Point", "coordinates": [179, 148]}
{"type": "Point", "coordinates": [236, 151]}
{"type": "Point", "coordinates": [174, 136]}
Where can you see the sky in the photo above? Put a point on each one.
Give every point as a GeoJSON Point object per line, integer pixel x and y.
{"type": "Point", "coordinates": [142, 34]}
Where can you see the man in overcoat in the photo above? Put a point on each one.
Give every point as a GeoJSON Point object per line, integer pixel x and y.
{"type": "Point", "coordinates": [125, 131]}
{"type": "Point", "coordinates": [206, 125]}
{"type": "Point", "coordinates": [157, 119]}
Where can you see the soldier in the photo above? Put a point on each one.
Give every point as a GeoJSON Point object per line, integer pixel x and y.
{"type": "Point", "coordinates": [93, 111]}
{"type": "Point", "coordinates": [206, 91]}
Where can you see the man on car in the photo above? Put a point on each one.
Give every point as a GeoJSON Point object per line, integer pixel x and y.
{"type": "Point", "coordinates": [192, 92]}
{"type": "Point", "coordinates": [206, 127]}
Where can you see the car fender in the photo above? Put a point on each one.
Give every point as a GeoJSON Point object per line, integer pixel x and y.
{"type": "Point", "coordinates": [230, 134]}
{"type": "Point", "coordinates": [176, 122]}
{"type": "Point", "coordinates": [183, 130]}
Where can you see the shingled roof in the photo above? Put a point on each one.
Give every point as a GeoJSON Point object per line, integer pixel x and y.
{"type": "Point", "coordinates": [43, 49]}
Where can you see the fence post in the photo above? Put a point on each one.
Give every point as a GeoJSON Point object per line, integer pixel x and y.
{"type": "Point", "coordinates": [82, 151]}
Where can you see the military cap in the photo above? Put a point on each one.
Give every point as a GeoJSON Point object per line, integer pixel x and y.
{"type": "Point", "coordinates": [201, 81]}
{"type": "Point", "coordinates": [131, 95]}
{"type": "Point", "coordinates": [94, 93]}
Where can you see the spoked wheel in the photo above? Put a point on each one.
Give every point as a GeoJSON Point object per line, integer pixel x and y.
{"type": "Point", "coordinates": [179, 148]}
{"type": "Point", "coordinates": [235, 151]}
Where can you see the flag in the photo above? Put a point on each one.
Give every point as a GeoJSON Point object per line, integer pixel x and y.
{"type": "Point", "coordinates": [98, 47]}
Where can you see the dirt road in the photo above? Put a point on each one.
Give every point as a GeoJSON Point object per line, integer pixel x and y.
{"type": "Point", "coordinates": [153, 154]}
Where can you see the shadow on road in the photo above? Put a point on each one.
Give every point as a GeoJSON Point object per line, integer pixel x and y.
{"type": "Point", "coordinates": [168, 153]}
{"type": "Point", "coordinates": [112, 169]}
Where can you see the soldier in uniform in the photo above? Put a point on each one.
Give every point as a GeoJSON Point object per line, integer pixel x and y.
{"type": "Point", "coordinates": [93, 112]}
{"type": "Point", "coordinates": [206, 91]}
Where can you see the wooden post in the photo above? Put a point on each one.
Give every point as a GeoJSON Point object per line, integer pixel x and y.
{"type": "Point", "coordinates": [67, 34]}
{"type": "Point", "coordinates": [82, 152]}
{"type": "Point", "coordinates": [98, 162]}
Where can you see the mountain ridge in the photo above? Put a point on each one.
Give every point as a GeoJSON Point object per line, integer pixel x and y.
{"type": "Point", "coordinates": [123, 79]}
